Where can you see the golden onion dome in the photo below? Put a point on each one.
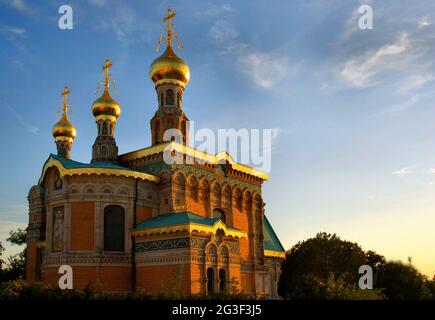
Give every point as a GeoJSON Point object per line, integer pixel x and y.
{"type": "Point", "coordinates": [106, 106]}
{"type": "Point", "coordinates": [64, 128]}
{"type": "Point", "coordinates": [169, 67]}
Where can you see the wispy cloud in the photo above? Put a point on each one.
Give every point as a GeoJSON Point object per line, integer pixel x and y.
{"type": "Point", "coordinates": [32, 129]}
{"type": "Point", "coordinates": [99, 3]}
{"type": "Point", "coordinates": [213, 10]}
{"type": "Point", "coordinates": [424, 22]}
{"type": "Point", "coordinates": [21, 6]}
{"type": "Point", "coordinates": [361, 72]}
{"type": "Point", "coordinates": [128, 27]}
{"type": "Point", "coordinates": [403, 171]}
{"type": "Point", "coordinates": [263, 68]}
{"type": "Point", "coordinates": [12, 32]}
{"type": "Point", "coordinates": [415, 81]}
{"type": "Point", "coordinates": [222, 31]}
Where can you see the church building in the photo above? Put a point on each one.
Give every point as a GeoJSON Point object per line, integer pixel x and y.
{"type": "Point", "coordinates": [125, 222]}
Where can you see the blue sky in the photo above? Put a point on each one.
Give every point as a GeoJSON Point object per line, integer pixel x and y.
{"type": "Point", "coordinates": [353, 109]}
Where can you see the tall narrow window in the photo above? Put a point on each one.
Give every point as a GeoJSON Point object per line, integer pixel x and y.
{"type": "Point", "coordinates": [222, 280]}
{"type": "Point", "coordinates": [183, 130]}
{"type": "Point", "coordinates": [210, 281]}
{"type": "Point", "coordinates": [104, 128]}
{"type": "Point", "coordinates": [114, 228]}
{"type": "Point", "coordinates": [170, 97]}
{"type": "Point", "coordinates": [161, 99]}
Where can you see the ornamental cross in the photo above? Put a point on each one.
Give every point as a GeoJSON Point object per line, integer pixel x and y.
{"type": "Point", "coordinates": [65, 94]}
{"type": "Point", "coordinates": [106, 68]}
{"type": "Point", "coordinates": [169, 24]}
{"type": "Point", "coordinates": [169, 30]}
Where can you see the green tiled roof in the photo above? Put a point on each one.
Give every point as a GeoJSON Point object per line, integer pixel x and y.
{"type": "Point", "coordinates": [172, 219]}
{"type": "Point", "coordinates": [71, 164]}
{"type": "Point", "coordinates": [271, 241]}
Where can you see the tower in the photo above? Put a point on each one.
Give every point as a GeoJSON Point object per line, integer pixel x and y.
{"type": "Point", "coordinates": [106, 112]}
{"type": "Point", "coordinates": [63, 131]}
{"type": "Point", "coordinates": [170, 75]}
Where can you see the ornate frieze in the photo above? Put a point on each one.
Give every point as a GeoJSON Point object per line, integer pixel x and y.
{"type": "Point", "coordinates": [170, 244]}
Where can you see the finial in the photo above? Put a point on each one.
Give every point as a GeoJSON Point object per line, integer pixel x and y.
{"type": "Point", "coordinates": [170, 33]}
{"type": "Point", "coordinates": [65, 94]}
{"type": "Point", "coordinates": [107, 65]}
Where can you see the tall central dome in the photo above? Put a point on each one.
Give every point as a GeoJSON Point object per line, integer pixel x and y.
{"type": "Point", "coordinates": [169, 68]}
{"type": "Point", "coordinates": [170, 75]}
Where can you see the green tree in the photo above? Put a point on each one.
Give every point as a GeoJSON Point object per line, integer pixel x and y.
{"type": "Point", "coordinates": [402, 281]}
{"type": "Point", "coordinates": [1, 252]}
{"type": "Point", "coordinates": [430, 284]}
{"type": "Point", "coordinates": [314, 260]}
{"type": "Point", "coordinates": [16, 264]}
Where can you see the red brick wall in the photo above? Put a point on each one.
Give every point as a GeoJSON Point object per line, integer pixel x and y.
{"type": "Point", "coordinates": [82, 225]}
{"type": "Point", "coordinates": [149, 278]}
{"type": "Point", "coordinates": [107, 278]}
{"type": "Point", "coordinates": [143, 213]}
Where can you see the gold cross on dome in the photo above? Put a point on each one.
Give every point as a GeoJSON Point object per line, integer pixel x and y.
{"type": "Point", "coordinates": [65, 93]}
{"type": "Point", "coordinates": [169, 24]}
{"type": "Point", "coordinates": [107, 65]}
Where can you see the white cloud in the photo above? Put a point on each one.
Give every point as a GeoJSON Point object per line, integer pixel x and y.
{"type": "Point", "coordinates": [32, 129]}
{"type": "Point", "coordinates": [414, 82]}
{"type": "Point", "coordinates": [424, 22]}
{"type": "Point", "coordinates": [21, 6]}
{"type": "Point", "coordinates": [222, 31]}
{"type": "Point", "coordinates": [264, 69]}
{"type": "Point", "coordinates": [99, 3]}
{"type": "Point", "coordinates": [360, 72]}
{"type": "Point", "coordinates": [213, 10]}
{"type": "Point", "coordinates": [16, 30]}
{"type": "Point", "coordinates": [431, 170]}
{"type": "Point", "coordinates": [125, 24]}
{"type": "Point", "coordinates": [12, 33]}
{"type": "Point", "coordinates": [403, 171]}
{"type": "Point", "coordinates": [401, 107]}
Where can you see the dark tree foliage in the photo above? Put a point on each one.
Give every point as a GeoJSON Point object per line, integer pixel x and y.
{"type": "Point", "coordinates": [17, 237]}
{"type": "Point", "coordinates": [15, 266]}
{"type": "Point", "coordinates": [430, 284]}
{"type": "Point", "coordinates": [317, 258]}
{"type": "Point", "coordinates": [400, 281]}
{"type": "Point", "coordinates": [1, 251]}
{"type": "Point", "coordinates": [326, 267]}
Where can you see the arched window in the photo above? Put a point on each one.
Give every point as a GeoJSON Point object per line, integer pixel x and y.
{"type": "Point", "coordinates": [183, 130]}
{"type": "Point", "coordinates": [210, 281]}
{"type": "Point", "coordinates": [58, 182]}
{"type": "Point", "coordinates": [222, 280]}
{"type": "Point", "coordinates": [218, 213]}
{"type": "Point", "coordinates": [113, 228]}
{"type": "Point", "coordinates": [104, 127]}
{"type": "Point", "coordinates": [161, 99]}
{"type": "Point", "coordinates": [193, 185]}
{"type": "Point", "coordinates": [180, 186]}
{"type": "Point", "coordinates": [178, 100]}
{"type": "Point", "coordinates": [170, 97]}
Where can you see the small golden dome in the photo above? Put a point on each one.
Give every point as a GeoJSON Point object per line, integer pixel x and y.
{"type": "Point", "coordinates": [64, 128]}
{"type": "Point", "coordinates": [106, 106]}
{"type": "Point", "coordinates": [169, 67]}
